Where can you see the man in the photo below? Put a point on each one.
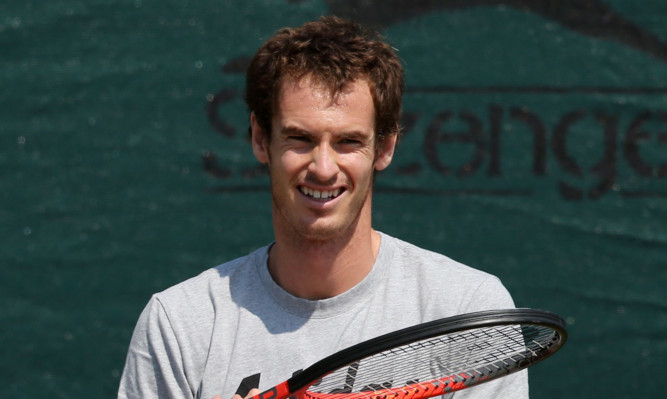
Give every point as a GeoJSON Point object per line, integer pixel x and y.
{"type": "Point", "coordinates": [324, 104]}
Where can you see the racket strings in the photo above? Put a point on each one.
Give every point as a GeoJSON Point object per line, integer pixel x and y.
{"type": "Point", "coordinates": [481, 351]}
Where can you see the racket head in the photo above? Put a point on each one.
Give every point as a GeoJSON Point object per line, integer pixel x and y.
{"type": "Point", "coordinates": [495, 343]}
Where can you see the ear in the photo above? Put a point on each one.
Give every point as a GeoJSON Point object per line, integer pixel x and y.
{"type": "Point", "coordinates": [259, 139]}
{"type": "Point", "coordinates": [386, 152]}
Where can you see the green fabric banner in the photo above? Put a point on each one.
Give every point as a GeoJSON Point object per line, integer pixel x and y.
{"type": "Point", "coordinates": [534, 147]}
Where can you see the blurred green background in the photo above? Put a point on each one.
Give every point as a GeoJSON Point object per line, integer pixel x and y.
{"type": "Point", "coordinates": [535, 148]}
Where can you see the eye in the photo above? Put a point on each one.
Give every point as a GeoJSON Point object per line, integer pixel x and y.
{"type": "Point", "coordinates": [299, 138]}
{"type": "Point", "coordinates": [350, 143]}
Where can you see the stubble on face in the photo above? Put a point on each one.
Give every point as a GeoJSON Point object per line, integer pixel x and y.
{"type": "Point", "coordinates": [311, 123]}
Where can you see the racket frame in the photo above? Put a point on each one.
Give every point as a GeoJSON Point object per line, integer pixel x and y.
{"type": "Point", "coordinates": [448, 325]}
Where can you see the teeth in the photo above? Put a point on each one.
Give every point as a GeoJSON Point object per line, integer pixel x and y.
{"type": "Point", "coordinates": [320, 194]}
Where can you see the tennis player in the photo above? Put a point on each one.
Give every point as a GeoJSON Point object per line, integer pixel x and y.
{"type": "Point", "coordinates": [325, 102]}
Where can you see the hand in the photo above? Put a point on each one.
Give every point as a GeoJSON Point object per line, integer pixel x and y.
{"type": "Point", "coordinates": [252, 393]}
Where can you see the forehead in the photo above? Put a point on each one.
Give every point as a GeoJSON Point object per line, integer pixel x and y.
{"type": "Point", "coordinates": [308, 97]}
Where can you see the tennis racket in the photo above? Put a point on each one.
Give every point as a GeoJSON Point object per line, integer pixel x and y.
{"type": "Point", "coordinates": [432, 358]}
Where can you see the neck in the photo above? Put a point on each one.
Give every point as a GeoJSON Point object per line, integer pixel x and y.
{"type": "Point", "coordinates": [318, 269]}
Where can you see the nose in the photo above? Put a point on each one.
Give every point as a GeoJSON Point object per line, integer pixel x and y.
{"type": "Point", "coordinates": [324, 164]}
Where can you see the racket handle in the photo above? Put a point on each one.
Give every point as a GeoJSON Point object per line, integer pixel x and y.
{"type": "Point", "coordinates": [280, 391]}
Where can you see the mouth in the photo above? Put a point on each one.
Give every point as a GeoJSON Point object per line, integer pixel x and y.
{"type": "Point", "coordinates": [321, 195]}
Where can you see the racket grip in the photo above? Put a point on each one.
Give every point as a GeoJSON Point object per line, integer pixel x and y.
{"type": "Point", "coordinates": [247, 384]}
{"type": "Point", "coordinates": [280, 391]}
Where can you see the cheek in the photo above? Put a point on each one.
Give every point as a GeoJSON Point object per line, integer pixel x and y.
{"type": "Point", "coordinates": [291, 163]}
{"type": "Point", "coordinates": [358, 166]}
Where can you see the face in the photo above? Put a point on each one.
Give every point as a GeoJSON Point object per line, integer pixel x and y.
{"type": "Point", "coordinates": [321, 156]}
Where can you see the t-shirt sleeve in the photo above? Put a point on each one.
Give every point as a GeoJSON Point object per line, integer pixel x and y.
{"type": "Point", "coordinates": [154, 363]}
{"type": "Point", "coordinates": [491, 294]}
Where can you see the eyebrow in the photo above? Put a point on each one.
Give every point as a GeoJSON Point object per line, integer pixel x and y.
{"type": "Point", "coordinates": [289, 130]}
{"type": "Point", "coordinates": [353, 134]}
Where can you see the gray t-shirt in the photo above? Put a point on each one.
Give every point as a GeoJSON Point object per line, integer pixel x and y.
{"type": "Point", "coordinates": [204, 336]}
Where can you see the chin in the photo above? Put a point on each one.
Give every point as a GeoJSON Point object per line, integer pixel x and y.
{"type": "Point", "coordinates": [320, 234]}
{"type": "Point", "coordinates": [323, 232]}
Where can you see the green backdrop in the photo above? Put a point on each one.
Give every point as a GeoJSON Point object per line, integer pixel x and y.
{"type": "Point", "coordinates": [535, 148]}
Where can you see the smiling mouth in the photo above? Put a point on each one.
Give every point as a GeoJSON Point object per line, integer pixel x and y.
{"type": "Point", "coordinates": [325, 195]}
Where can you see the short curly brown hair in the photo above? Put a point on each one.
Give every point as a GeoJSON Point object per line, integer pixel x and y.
{"type": "Point", "coordinates": [335, 52]}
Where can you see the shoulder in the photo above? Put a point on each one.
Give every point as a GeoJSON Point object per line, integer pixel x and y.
{"type": "Point", "coordinates": [443, 282]}
{"type": "Point", "coordinates": [416, 259]}
{"type": "Point", "coordinates": [212, 285]}
{"type": "Point", "coordinates": [187, 312]}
